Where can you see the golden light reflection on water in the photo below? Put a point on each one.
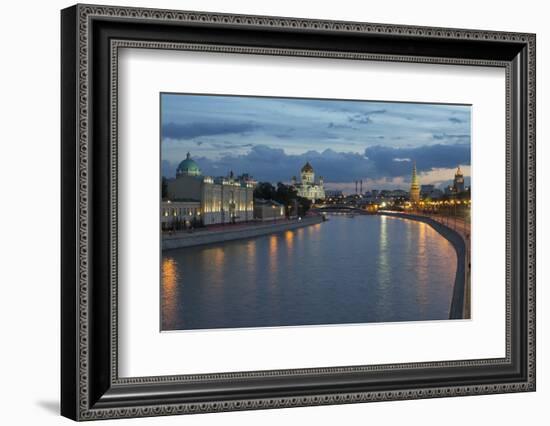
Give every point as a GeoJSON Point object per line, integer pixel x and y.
{"type": "Point", "coordinates": [383, 247]}
{"type": "Point", "coordinates": [383, 262]}
{"type": "Point", "coordinates": [251, 256]}
{"type": "Point", "coordinates": [314, 229]}
{"type": "Point", "coordinates": [216, 258]}
{"type": "Point", "coordinates": [432, 248]}
{"type": "Point", "coordinates": [315, 240]}
{"type": "Point", "coordinates": [300, 235]}
{"type": "Point", "coordinates": [273, 243]}
{"type": "Point", "coordinates": [408, 234]}
{"type": "Point", "coordinates": [421, 263]}
{"type": "Point", "coordinates": [273, 265]}
{"type": "Point", "coordinates": [170, 276]}
{"type": "Point", "coordinates": [251, 249]}
{"type": "Point", "coordinates": [289, 239]}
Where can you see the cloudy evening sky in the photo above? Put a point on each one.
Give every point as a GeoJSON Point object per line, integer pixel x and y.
{"type": "Point", "coordinates": [271, 138]}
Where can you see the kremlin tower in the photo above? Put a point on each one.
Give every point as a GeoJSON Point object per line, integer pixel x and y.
{"type": "Point", "coordinates": [415, 186]}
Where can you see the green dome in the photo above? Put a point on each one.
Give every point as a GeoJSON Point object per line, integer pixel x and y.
{"type": "Point", "coordinates": [188, 167]}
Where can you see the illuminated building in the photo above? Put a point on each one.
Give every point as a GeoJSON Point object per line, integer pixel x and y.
{"type": "Point", "coordinates": [307, 187]}
{"type": "Point", "coordinates": [458, 182]}
{"type": "Point", "coordinates": [176, 215]}
{"type": "Point", "coordinates": [268, 210]}
{"type": "Point", "coordinates": [227, 199]}
{"type": "Point", "coordinates": [415, 186]}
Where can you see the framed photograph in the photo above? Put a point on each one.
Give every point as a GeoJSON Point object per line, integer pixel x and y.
{"type": "Point", "coordinates": [263, 212]}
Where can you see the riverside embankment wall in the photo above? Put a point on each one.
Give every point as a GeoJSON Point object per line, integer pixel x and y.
{"type": "Point", "coordinates": [208, 237]}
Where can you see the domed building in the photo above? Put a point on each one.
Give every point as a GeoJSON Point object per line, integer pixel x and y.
{"type": "Point", "coordinates": [188, 167]}
{"type": "Point", "coordinates": [226, 199]}
{"type": "Point", "coordinates": [307, 187]}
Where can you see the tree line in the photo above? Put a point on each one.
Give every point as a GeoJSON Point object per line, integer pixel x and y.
{"type": "Point", "coordinates": [285, 195]}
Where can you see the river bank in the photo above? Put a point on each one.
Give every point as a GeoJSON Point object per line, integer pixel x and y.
{"type": "Point", "coordinates": [459, 304]}
{"type": "Point", "coordinates": [230, 233]}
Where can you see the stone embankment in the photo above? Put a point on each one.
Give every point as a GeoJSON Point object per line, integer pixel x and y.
{"type": "Point", "coordinates": [233, 232]}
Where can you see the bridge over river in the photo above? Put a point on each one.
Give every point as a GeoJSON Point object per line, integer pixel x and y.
{"type": "Point", "coordinates": [339, 209]}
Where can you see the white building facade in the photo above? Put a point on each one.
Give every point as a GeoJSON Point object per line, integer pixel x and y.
{"type": "Point", "coordinates": [177, 215]}
{"type": "Point", "coordinates": [308, 187]}
{"type": "Point", "coordinates": [222, 199]}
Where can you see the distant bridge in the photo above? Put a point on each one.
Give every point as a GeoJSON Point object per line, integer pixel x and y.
{"type": "Point", "coordinates": [339, 209]}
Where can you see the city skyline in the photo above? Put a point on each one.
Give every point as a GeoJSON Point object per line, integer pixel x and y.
{"type": "Point", "coordinates": [345, 141]}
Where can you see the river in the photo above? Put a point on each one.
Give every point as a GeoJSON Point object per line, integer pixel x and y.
{"type": "Point", "coordinates": [346, 270]}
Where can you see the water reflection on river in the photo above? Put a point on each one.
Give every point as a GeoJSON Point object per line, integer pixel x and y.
{"type": "Point", "coordinates": [346, 270]}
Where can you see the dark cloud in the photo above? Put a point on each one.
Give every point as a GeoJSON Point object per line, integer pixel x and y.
{"type": "Point", "coordinates": [273, 164]}
{"type": "Point", "coordinates": [360, 118]}
{"type": "Point", "coordinates": [456, 120]}
{"type": "Point", "coordinates": [285, 134]}
{"type": "Point", "coordinates": [230, 146]}
{"type": "Point", "coordinates": [193, 130]}
{"type": "Point", "coordinates": [427, 157]}
{"type": "Point", "coordinates": [365, 117]}
{"type": "Point", "coordinates": [451, 137]}
{"type": "Point", "coordinates": [331, 125]}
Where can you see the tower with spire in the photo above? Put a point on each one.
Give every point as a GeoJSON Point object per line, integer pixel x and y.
{"type": "Point", "coordinates": [415, 186]}
{"type": "Point", "coordinates": [458, 182]}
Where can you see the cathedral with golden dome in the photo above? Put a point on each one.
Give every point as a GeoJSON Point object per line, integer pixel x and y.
{"type": "Point", "coordinates": [308, 187]}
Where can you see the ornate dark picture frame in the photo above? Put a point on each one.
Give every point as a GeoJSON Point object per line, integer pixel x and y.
{"type": "Point", "coordinates": [91, 37]}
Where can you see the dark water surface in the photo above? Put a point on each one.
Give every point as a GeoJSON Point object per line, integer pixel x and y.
{"type": "Point", "coordinates": [345, 270]}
